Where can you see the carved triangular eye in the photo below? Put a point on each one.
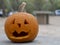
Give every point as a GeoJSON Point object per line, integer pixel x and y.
{"type": "Point", "coordinates": [13, 21]}
{"type": "Point", "coordinates": [25, 22]}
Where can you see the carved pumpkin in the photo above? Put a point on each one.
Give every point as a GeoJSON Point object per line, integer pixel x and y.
{"type": "Point", "coordinates": [21, 27]}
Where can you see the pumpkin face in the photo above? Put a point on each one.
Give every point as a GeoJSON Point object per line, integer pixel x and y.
{"type": "Point", "coordinates": [21, 27]}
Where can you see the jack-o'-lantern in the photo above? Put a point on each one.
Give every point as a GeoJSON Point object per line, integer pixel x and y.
{"type": "Point", "coordinates": [21, 27]}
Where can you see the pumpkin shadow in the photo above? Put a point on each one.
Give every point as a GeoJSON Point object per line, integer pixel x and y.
{"type": "Point", "coordinates": [10, 42]}
{"type": "Point", "coordinates": [24, 42]}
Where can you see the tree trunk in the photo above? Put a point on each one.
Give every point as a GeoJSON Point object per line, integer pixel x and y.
{"type": "Point", "coordinates": [3, 7]}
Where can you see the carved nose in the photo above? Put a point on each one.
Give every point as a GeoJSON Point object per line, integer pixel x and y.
{"type": "Point", "coordinates": [19, 25]}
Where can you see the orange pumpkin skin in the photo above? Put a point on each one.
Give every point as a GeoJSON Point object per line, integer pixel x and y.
{"type": "Point", "coordinates": [21, 27]}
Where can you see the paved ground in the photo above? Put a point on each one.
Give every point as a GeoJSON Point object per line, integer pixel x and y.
{"type": "Point", "coordinates": [48, 34]}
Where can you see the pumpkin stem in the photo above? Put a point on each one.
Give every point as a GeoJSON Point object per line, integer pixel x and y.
{"type": "Point", "coordinates": [22, 7]}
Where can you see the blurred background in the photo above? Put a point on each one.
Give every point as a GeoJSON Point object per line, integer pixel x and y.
{"type": "Point", "coordinates": [10, 6]}
{"type": "Point", "coordinates": [47, 13]}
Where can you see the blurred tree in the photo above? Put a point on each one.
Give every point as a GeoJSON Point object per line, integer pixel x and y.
{"type": "Point", "coordinates": [52, 5]}
{"type": "Point", "coordinates": [39, 4]}
{"type": "Point", "coordinates": [2, 7]}
{"type": "Point", "coordinates": [8, 4]}
{"type": "Point", "coordinates": [14, 4]}
{"type": "Point", "coordinates": [55, 4]}
{"type": "Point", "coordinates": [47, 4]}
{"type": "Point", "coordinates": [29, 7]}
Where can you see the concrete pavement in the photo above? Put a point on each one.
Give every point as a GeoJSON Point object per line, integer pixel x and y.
{"type": "Point", "coordinates": [48, 34]}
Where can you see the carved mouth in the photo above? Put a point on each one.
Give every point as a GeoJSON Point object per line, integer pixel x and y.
{"type": "Point", "coordinates": [21, 34]}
